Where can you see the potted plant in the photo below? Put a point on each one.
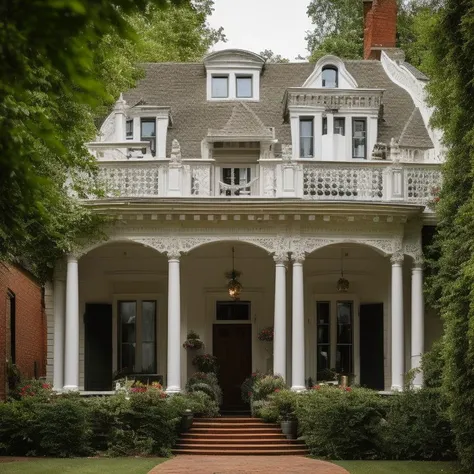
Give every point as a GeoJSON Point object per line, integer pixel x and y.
{"type": "Point", "coordinates": [205, 363]}
{"type": "Point", "coordinates": [186, 420]}
{"type": "Point", "coordinates": [193, 341]}
{"type": "Point", "coordinates": [285, 401]}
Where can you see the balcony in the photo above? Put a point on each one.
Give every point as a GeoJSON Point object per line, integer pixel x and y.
{"type": "Point", "coordinates": [311, 180]}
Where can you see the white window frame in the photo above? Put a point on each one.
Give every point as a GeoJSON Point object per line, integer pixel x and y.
{"type": "Point", "coordinates": [160, 329]}
{"type": "Point", "coordinates": [333, 298]}
{"type": "Point", "coordinates": [254, 187]}
{"type": "Point", "coordinates": [244, 76]}
{"type": "Point", "coordinates": [232, 73]}
{"type": "Point", "coordinates": [220, 76]}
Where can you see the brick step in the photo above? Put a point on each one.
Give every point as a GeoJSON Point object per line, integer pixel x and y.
{"type": "Point", "coordinates": [236, 442]}
{"type": "Point", "coordinates": [236, 436]}
{"type": "Point", "coordinates": [261, 431]}
{"type": "Point", "coordinates": [229, 419]}
{"type": "Point", "coordinates": [247, 452]}
{"type": "Point", "coordinates": [236, 426]}
{"type": "Point", "coordinates": [243, 447]}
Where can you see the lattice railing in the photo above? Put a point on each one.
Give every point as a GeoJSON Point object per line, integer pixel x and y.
{"type": "Point", "coordinates": [130, 179]}
{"type": "Point", "coordinates": [343, 182]}
{"type": "Point", "coordinates": [422, 183]}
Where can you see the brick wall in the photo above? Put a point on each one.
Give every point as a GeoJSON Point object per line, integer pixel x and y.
{"type": "Point", "coordinates": [380, 26]}
{"type": "Point", "coordinates": [30, 332]}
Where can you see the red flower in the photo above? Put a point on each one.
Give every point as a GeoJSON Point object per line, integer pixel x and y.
{"type": "Point", "coordinates": [249, 394]}
{"type": "Point", "coordinates": [277, 390]}
{"type": "Point", "coordinates": [348, 389]}
{"type": "Point", "coordinates": [317, 387]}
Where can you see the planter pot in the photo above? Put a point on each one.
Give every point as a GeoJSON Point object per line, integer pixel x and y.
{"type": "Point", "coordinates": [187, 421]}
{"type": "Point", "coordinates": [290, 429]}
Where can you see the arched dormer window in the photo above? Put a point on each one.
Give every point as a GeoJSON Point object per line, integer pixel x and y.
{"type": "Point", "coordinates": [330, 77]}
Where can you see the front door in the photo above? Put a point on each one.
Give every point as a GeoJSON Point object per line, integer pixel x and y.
{"type": "Point", "coordinates": [233, 348]}
{"type": "Point", "coordinates": [371, 346]}
{"type": "Point", "coordinates": [98, 347]}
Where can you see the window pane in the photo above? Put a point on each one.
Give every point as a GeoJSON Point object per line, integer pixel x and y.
{"type": "Point", "coordinates": [233, 310]}
{"type": "Point", "coordinates": [244, 86]}
{"type": "Point", "coordinates": [323, 358]}
{"type": "Point", "coordinates": [129, 129]}
{"type": "Point", "coordinates": [128, 357]}
{"type": "Point", "coordinates": [344, 359]}
{"type": "Point", "coordinates": [306, 138]}
{"type": "Point", "coordinates": [128, 314]}
{"type": "Point", "coordinates": [148, 358]}
{"type": "Point", "coordinates": [344, 322]}
{"type": "Point", "coordinates": [220, 86]}
{"type": "Point", "coordinates": [325, 126]}
{"type": "Point", "coordinates": [323, 311]}
{"type": "Point", "coordinates": [148, 321]}
{"type": "Point", "coordinates": [323, 334]}
{"type": "Point", "coordinates": [306, 128]}
{"type": "Point", "coordinates": [339, 126]}
{"type": "Point", "coordinates": [359, 139]}
{"type": "Point", "coordinates": [329, 77]}
{"type": "Point", "coordinates": [148, 129]}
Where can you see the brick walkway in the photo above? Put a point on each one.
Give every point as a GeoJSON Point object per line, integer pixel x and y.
{"type": "Point", "coordinates": [245, 464]}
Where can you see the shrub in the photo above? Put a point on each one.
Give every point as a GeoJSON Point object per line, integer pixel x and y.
{"type": "Point", "coordinates": [265, 386]}
{"type": "Point", "coordinates": [37, 389]}
{"type": "Point", "coordinates": [206, 363]}
{"type": "Point", "coordinates": [247, 387]}
{"type": "Point", "coordinates": [198, 402]}
{"type": "Point", "coordinates": [207, 383]}
{"type": "Point", "coordinates": [432, 364]}
{"type": "Point", "coordinates": [341, 424]}
{"type": "Point", "coordinates": [417, 427]}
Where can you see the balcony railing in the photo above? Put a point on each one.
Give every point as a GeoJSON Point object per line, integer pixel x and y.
{"type": "Point", "coordinates": [370, 181]}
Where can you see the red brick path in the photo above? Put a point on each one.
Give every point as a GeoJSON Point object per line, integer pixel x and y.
{"type": "Point", "coordinates": [245, 464]}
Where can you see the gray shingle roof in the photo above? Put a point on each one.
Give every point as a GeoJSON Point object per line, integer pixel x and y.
{"type": "Point", "coordinates": [182, 86]}
{"type": "Point", "coordinates": [416, 72]}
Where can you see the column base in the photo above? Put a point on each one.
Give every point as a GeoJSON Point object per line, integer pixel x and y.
{"type": "Point", "coordinates": [173, 390]}
{"type": "Point", "coordinates": [298, 388]}
{"type": "Point", "coordinates": [70, 388]}
{"type": "Point", "coordinates": [396, 388]}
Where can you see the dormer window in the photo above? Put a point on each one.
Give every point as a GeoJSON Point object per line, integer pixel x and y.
{"type": "Point", "coordinates": [306, 138]}
{"type": "Point", "coordinates": [243, 86]}
{"type": "Point", "coordinates": [359, 138]}
{"type": "Point", "coordinates": [220, 87]}
{"type": "Point", "coordinates": [339, 126]}
{"type": "Point", "coordinates": [148, 133]}
{"type": "Point", "coordinates": [330, 77]}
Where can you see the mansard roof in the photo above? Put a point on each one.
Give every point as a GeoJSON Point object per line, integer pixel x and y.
{"type": "Point", "coordinates": [182, 86]}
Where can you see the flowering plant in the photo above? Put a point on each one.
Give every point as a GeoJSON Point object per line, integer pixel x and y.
{"type": "Point", "coordinates": [32, 388]}
{"type": "Point", "coordinates": [205, 363]}
{"type": "Point", "coordinates": [266, 334]}
{"type": "Point", "coordinates": [246, 388]}
{"type": "Point", "coordinates": [193, 341]}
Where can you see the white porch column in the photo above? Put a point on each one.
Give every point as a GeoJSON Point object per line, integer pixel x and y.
{"type": "Point", "coordinates": [398, 354]}
{"type": "Point", "coordinates": [417, 321]}
{"type": "Point", "coordinates": [279, 325]}
{"type": "Point", "coordinates": [297, 349]}
{"type": "Point", "coordinates": [174, 324]}
{"type": "Point", "coordinates": [59, 314]}
{"type": "Point", "coordinates": [71, 357]}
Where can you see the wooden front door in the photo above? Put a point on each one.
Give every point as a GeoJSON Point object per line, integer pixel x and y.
{"type": "Point", "coordinates": [371, 346]}
{"type": "Point", "coordinates": [233, 348]}
{"type": "Point", "coordinates": [98, 347]}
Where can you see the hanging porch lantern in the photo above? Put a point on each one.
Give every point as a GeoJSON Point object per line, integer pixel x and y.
{"type": "Point", "coordinates": [234, 286]}
{"type": "Point", "coordinates": [342, 284]}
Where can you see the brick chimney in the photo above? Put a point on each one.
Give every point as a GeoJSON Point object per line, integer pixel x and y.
{"type": "Point", "coordinates": [380, 27]}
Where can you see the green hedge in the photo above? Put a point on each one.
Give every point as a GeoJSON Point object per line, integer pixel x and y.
{"type": "Point", "coordinates": [129, 423]}
{"type": "Point", "coordinates": [357, 423]}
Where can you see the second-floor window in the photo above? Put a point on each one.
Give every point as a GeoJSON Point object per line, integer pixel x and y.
{"type": "Point", "coordinates": [243, 87]}
{"type": "Point", "coordinates": [148, 132]}
{"type": "Point", "coordinates": [306, 138]}
{"type": "Point", "coordinates": [220, 87]}
{"type": "Point", "coordinates": [339, 126]}
{"type": "Point", "coordinates": [359, 138]}
{"type": "Point", "coordinates": [330, 77]}
{"type": "Point", "coordinates": [129, 129]}
{"type": "Point", "coordinates": [235, 180]}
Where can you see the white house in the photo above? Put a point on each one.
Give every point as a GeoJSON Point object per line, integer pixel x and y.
{"type": "Point", "coordinates": [315, 178]}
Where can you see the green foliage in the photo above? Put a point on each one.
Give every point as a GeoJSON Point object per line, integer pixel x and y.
{"type": "Point", "coordinates": [205, 382]}
{"type": "Point", "coordinates": [265, 386]}
{"type": "Point", "coordinates": [280, 406]}
{"type": "Point", "coordinates": [206, 363]}
{"type": "Point", "coordinates": [271, 57]}
{"type": "Point", "coordinates": [417, 427]}
{"type": "Point", "coordinates": [247, 387]}
{"type": "Point", "coordinates": [432, 364]}
{"type": "Point", "coordinates": [201, 404]}
{"type": "Point", "coordinates": [50, 97]}
{"type": "Point", "coordinates": [451, 284]}
{"type": "Point", "coordinates": [340, 424]}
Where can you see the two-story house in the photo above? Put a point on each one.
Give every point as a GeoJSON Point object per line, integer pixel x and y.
{"type": "Point", "coordinates": [249, 195]}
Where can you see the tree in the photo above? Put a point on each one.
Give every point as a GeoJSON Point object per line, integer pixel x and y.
{"type": "Point", "coordinates": [271, 57]}
{"type": "Point", "coordinates": [63, 64]}
{"type": "Point", "coordinates": [339, 28]}
{"type": "Point", "coordinates": [451, 284]}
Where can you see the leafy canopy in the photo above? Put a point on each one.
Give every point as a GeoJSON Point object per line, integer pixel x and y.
{"type": "Point", "coordinates": [63, 65]}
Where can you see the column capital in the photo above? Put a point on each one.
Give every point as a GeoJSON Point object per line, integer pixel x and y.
{"type": "Point", "coordinates": [418, 261]}
{"type": "Point", "coordinates": [397, 258]}
{"type": "Point", "coordinates": [173, 254]}
{"type": "Point", "coordinates": [280, 257]}
{"type": "Point", "coordinates": [298, 256]}
{"type": "Point", "coordinates": [72, 257]}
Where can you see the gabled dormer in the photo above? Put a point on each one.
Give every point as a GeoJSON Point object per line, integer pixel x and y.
{"type": "Point", "coordinates": [233, 75]}
{"type": "Point", "coordinates": [331, 118]}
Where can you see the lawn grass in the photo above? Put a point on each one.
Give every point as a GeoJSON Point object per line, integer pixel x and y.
{"type": "Point", "coordinates": [81, 466]}
{"type": "Point", "coordinates": [396, 467]}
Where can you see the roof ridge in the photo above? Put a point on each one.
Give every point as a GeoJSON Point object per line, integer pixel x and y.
{"type": "Point", "coordinates": [409, 121]}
